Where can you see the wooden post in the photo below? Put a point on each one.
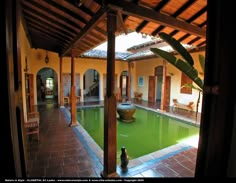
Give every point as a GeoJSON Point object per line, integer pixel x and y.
{"type": "Point", "coordinates": [217, 138]}
{"type": "Point", "coordinates": [61, 85]}
{"type": "Point", "coordinates": [110, 103]}
{"type": "Point", "coordinates": [163, 89]}
{"type": "Point", "coordinates": [72, 93]}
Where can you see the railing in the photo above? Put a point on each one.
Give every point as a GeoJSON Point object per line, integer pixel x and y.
{"type": "Point", "coordinates": [92, 87]}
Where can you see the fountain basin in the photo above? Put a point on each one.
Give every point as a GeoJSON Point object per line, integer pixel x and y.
{"type": "Point", "coordinates": [126, 111]}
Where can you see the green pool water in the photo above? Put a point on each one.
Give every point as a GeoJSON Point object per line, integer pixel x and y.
{"type": "Point", "coordinates": [150, 131]}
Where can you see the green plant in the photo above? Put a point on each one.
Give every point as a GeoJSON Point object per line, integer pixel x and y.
{"type": "Point", "coordinates": [186, 64]}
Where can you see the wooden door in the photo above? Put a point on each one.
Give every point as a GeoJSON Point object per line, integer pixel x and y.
{"type": "Point", "coordinates": [167, 95]}
{"type": "Point", "coordinates": [151, 89]}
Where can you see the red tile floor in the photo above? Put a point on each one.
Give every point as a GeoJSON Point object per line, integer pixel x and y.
{"type": "Point", "coordinates": [62, 152]}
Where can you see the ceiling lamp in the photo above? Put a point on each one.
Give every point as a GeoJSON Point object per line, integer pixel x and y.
{"type": "Point", "coordinates": [46, 58]}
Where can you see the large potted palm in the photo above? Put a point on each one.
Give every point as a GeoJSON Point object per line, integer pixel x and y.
{"type": "Point", "coordinates": [184, 64]}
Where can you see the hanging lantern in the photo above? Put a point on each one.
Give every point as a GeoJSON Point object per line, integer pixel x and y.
{"type": "Point", "coordinates": [46, 58]}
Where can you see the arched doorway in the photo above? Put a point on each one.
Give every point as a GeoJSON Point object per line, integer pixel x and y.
{"type": "Point", "coordinates": [91, 85]}
{"type": "Point", "coordinates": [47, 86]}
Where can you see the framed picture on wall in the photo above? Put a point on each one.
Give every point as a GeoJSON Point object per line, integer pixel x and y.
{"type": "Point", "coordinates": [140, 81]}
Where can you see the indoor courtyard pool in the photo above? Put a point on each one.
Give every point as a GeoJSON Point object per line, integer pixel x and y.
{"type": "Point", "coordinates": [149, 132]}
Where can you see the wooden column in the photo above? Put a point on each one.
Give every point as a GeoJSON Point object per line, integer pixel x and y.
{"type": "Point", "coordinates": [12, 153]}
{"type": "Point", "coordinates": [217, 142]}
{"type": "Point", "coordinates": [61, 85]}
{"type": "Point", "coordinates": [163, 89]}
{"type": "Point", "coordinates": [110, 103]}
{"type": "Point", "coordinates": [129, 80]}
{"type": "Point", "coordinates": [72, 93]}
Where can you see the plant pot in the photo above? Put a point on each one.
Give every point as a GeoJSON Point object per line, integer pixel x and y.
{"type": "Point", "coordinates": [126, 111]}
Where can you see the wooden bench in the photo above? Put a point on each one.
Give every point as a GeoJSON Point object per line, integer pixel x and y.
{"type": "Point", "coordinates": [67, 99]}
{"type": "Point", "coordinates": [188, 106]}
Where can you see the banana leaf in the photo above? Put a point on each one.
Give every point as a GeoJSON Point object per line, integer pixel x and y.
{"type": "Point", "coordinates": [202, 61]}
{"type": "Point", "coordinates": [183, 66]}
{"type": "Point", "coordinates": [177, 46]}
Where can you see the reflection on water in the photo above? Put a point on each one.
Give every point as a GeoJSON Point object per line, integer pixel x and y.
{"type": "Point", "coordinates": [150, 131]}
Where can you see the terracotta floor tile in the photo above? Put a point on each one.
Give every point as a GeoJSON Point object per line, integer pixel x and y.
{"type": "Point", "coordinates": [60, 153]}
{"type": "Point", "coordinates": [165, 171]}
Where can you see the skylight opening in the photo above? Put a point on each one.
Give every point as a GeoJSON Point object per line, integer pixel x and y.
{"type": "Point", "coordinates": [132, 45]}
{"type": "Point", "coordinates": [123, 42]}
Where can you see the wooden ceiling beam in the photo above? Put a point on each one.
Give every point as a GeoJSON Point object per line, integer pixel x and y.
{"type": "Point", "coordinates": [48, 27]}
{"type": "Point", "coordinates": [91, 24]}
{"type": "Point", "coordinates": [50, 22]}
{"type": "Point", "coordinates": [157, 8]}
{"type": "Point", "coordinates": [47, 35]}
{"type": "Point", "coordinates": [98, 29]}
{"type": "Point", "coordinates": [187, 35]}
{"type": "Point", "coordinates": [63, 13]}
{"type": "Point", "coordinates": [177, 13]}
{"type": "Point", "coordinates": [195, 16]}
{"type": "Point", "coordinates": [93, 38]}
{"type": "Point", "coordinates": [121, 22]}
{"type": "Point", "coordinates": [201, 44]}
{"type": "Point", "coordinates": [24, 23]}
{"type": "Point", "coordinates": [132, 9]}
{"type": "Point", "coordinates": [194, 40]}
{"type": "Point", "coordinates": [50, 45]}
{"type": "Point", "coordinates": [36, 8]}
{"type": "Point", "coordinates": [85, 16]}
{"type": "Point", "coordinates": [87, 43]}
{"type": "Point", "coordinates": [97, 34]}
{"type": "Point", "coordinates": [44, 39]}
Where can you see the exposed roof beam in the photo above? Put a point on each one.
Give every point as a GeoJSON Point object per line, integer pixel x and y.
{"type": "Point", "coordinates": [186, 35]}
{"type": "Point", "coordinates": [49, 36]}
{"type": "Point", "coordinates": [195, 16]}
{"type": "Point", "coordinates": [98, 29]}
{"type": "Point", "coordinates": [46, 40]}
{"type": "Point", "coordinates": [61, 13]}
{"type": "Point", "coordinates": [202, 43]}
{"type": "Point", "coordinates": [157, 8]}
{"type": "Point", "coordinates": [46, 26]}
{"type": "Point", "coordinates": [157, 17]}
{"type": "Point", "coordinates": [70, 9]}
{"type": "Point", "coordinates": [121, 21]}
{"type": "Point", "coordinates": [194, 40]}
{"type": "Point", "coordinates": [25, 26]}
{"type": "Point", "coordinates": [50, 22]}
{"type": "Point", "coordinates": [37, 9]}
{"type": "Point", "coordinates": [91, 24]}
{"type": "Point", "coordinates": [177, 13]}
